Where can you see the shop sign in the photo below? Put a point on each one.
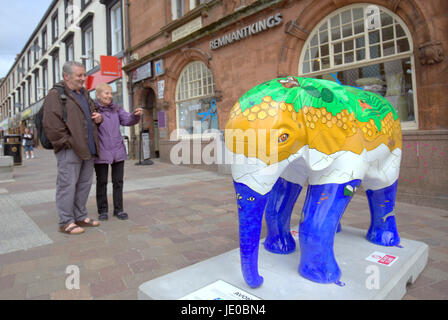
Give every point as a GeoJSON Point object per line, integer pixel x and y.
{"type": "Point", "coordinates": [161, 88]}
{"type": "Point", "coordinates": [110, 66]}
{"type": "Point", "coordinates": [142, 72]}
{"type": "Point", "coordinates": [186, 29]}
{"type": "Point", "coordinates": [158, 66]}
{"type": "Point", "coordinates": [254, 28]}
{"type": "Point", "coordinates": [161, 119]}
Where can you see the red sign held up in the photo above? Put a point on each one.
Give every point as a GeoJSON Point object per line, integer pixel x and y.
{"type": "Point", "coordinates": [110, 66]}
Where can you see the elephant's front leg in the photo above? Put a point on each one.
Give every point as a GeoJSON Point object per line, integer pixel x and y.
{"type": "Point", "coordinates": [323, 209]}
{"type": "Point", "coordinates": [281, 201]}
{"type": "Point", "coordinates": [250, 212]}
{"type": "Point", "coordinates": [383, 227]}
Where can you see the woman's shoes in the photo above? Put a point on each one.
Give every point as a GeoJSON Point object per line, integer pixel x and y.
{"type": "Point", "coordinates": [103, 216]}
{"type": "Point", "coordinates": [121, 215]}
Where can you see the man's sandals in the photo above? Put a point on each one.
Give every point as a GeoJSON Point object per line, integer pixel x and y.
{"type": "Point", "coordinates": [75, 228]}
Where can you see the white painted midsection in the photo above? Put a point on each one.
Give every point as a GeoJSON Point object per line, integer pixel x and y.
{"type": "Point", "coordinates": [377, 168]}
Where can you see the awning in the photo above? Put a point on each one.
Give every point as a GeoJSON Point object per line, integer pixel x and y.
{"type": "Point", "coordinates": [31, 111]}
{"type": "Point", "coordinates": [4, 124]}
{"type": "Point", "coordinates": [26, 113]}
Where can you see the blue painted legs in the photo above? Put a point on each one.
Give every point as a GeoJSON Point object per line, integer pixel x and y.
{"type": "Point", "coordinates": [278, 217]}
{"type": "Point", "coordinates": [383, 228]}
{"type": "Point", "coordinates": [250, 212]}
{"type": "Point", "coordinates": [323, 209]}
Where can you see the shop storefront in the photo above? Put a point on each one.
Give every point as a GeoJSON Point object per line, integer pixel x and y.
{"type": "Point", "coordinates": [393, 48]}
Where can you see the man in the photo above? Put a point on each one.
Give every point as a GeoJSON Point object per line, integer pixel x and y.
{"type": "Point", "coordinates": [75, 144]}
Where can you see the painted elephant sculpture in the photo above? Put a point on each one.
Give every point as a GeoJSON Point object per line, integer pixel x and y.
{"type": "Point", "coordinates": [288, 132]}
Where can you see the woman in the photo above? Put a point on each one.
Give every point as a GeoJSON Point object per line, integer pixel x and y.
{"type": "Point", "coordinates": [28, 143]}
{"type": "Point", "coordinates": [112, 150]}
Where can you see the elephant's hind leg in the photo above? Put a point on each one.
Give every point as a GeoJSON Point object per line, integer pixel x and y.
{"type": "Point", "coordinates": [383, 227]}
{"type": "Point", "coordinates": [322, 212]}
{"type": "Point", "coordinates": [278, 217]}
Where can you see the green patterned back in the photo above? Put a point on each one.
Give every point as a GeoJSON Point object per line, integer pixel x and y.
{"type": "Point", "coordinates": [318, 93]}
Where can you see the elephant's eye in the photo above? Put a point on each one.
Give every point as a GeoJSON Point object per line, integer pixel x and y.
{"type": "Point", "coordinates": [251, 199]}
{"type": "Point", "coordinates": [283, 137]}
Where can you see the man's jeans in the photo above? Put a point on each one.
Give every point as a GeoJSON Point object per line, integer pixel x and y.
{"type": "Point", "coordinates": [72, 186]}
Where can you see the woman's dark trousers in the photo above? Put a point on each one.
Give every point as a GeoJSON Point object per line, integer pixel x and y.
{"type": "Point", "coordinates": [102, 171]}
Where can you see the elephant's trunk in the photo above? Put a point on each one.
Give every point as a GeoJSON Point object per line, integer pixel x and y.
{"type": "Point", "coordinates": [251, 206]}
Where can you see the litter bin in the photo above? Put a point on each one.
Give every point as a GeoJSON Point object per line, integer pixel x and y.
{"type": "Point", "coordinates": [13, 147]}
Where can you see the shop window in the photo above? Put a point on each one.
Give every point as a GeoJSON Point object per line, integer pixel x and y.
{"type": "Point", "coordinates": [376, 57]}
{"type": "Point", "coordinates": [196, 108]}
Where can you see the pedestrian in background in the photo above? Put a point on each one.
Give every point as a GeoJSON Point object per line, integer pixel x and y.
{"type": "Point", "coordinates": [75, 143]}
{"type": "Point", "coordinates": [28, 143]}
{"type": "Point", "coordinates": [112, 150]}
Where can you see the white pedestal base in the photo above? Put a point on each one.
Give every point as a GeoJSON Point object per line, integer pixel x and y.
{"type": "Point", "coordinates": [361, 279]}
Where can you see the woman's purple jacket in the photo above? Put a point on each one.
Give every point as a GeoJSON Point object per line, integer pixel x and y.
{"type": "Point", "coordinates": [112, 148]}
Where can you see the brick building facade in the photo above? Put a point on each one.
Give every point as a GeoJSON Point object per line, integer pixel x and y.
{"type": "Point", "coordinates": [203, 55]}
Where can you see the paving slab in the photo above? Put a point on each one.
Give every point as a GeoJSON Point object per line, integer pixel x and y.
{"type": "Point", "coordinates": [361, 279]}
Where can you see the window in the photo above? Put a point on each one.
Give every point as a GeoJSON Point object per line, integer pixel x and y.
{"type": "Point", "coordinates": [87, 36]}
{"type": "Point", "coordinates": [194, 93]}
{"type": "Point", "coordinates": [68, 14]}
{"type": "Point", "coordinates": [36, 85]}
{"type": "Point", "coordinates": [18, 103]}
{"type": "Point", "coordinates": [84, 4]}
{"type": "Point", "coordinates": [29, 91]}
{"type": "Point", "coordinates": [116, 29]}
{"type": "Point", "coordinates": [177, 8]}
{"type": "Point", "coordinates": [45, 78]}
{"type": "Point", "coordinates": [195, 3]}
{"type": "Point", "coordinates": [28, 59]}
{"type": "Point", "coordinates": [44, 40]}
{"type": "Point", "coordinates": [69, 49]}
{"type": "Point", "coordinates": [36, 50]}
{"type": "Point", "coordinates": [21, 70]}
{"type": "Point", "coordinates": [56, 71]}
{"type": "Point", "coordinates": [22, 106]}
{"type": "Point", "coordinates": [377, 58]}
{"type": "Point", "coordinates": [54, 27]}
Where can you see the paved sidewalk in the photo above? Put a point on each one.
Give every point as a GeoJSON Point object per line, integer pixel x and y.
{"type": "Point", "coordinates": [178, 216]}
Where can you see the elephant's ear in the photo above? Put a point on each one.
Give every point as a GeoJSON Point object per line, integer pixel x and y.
{"type": "Point", "coordinates": [318, 160]}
